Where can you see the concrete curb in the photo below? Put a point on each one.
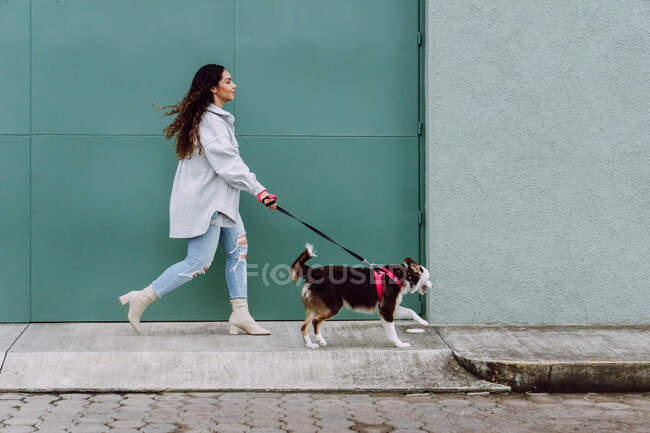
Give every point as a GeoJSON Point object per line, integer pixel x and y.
{"type": "Point", "coordinates": [554, 358]}
{"type": "Point", "coordinates": [608, 376]}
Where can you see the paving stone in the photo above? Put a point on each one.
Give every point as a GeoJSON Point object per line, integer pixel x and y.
{"type": "Point", "coordinates": [41, 398]}
{"type": "Point", "coordinates": [444, 426]}
{"type": "Point", "coordinates": [404, 424]}
{"type": "Point", "coordinates": [106, 398]}
{"type": "Point", "coordinates": [161, 415]}
{"type": "Point", "coordinates": [89, 428]}
{"type": "Point", "coordinates": [170, 396]}
{"type": "Point", "coordinates": [199, 408]}
{"type": "Point", "coordinates": [95, 419]}
{"type": "Point", "coordinates": [367, 418]}
{"type": "Point", "coordinates": [335, 423]}
{"type": "Point", "coordinates": [544, 398]}
{"type": "Point", "coordinates": [408, 431]}
{"type": "Point", "coordinates": [453, 402]}
{"type": "Point", "coordinates": [162, 420]}
{"type": "Point", "coordinates": [227, 408]}
{"type": "Point", "coordinates": [76, 403]}
{"type": "Point", "coordinates": [57, 412]}
{"type": "Point", "coordinates": [159, 428]}
{"type": "Point", "coordinates": [12, 396]}
{"type": "Point", "coordinates": [298, 417]}
{"type": "Point", "coordinates": [231, 428]}
{"type": "Point", "coordinates": [10, 404]}
{"type": "Point", "coordinates": [264, 423]}
{"type": "Point", "coordinates": [103, 406]}
{"type": "Point", "coordinates": [300, 425]}
{"type": "Point", "coordinates": [197, 424]}
{"type": "Point", "coordinates": [229, 419]}
{"type": "Point", "coordinates": [127, 430]}
{"type": "Point", "coordinates": [210, 395]}
{"type": "Point", "coordinates": [331, 416]}
{"type": "Point", "coordinates": [22, 421]}
{"type": "Point", "coordinates": [302, 429]}
{"type": "Point", "coordinates": [127, 424]}
{"type": "Point", "coordinates": [17, 429]}
{"type": "Point", "coordinates": [163, 405]}
{"type": "Point", "coordinates": [30, 413]}
{"type": "Point", "coordinates": [126, 413]}
{"type": "Point", "coordinates": [613, 405]}
{"type": "Point", "coordinates": [52, 428]}
{"type": "Point", "coordinates": [58, 423]}
{"type": "Point", "coordinates": [390, 403]}
{"type": "Point", "coordinates": [235, 396]}
{"type": "Point", "coordinates": [266, 430]}
{"type": "Point", "coordinates": [296, 397]}
{"type": "Point", "coordinates": [75, 396]}
{"type": "Point", "coordinates": [205, 401]}
{"type": "Point", "coordinates": [340, 430]}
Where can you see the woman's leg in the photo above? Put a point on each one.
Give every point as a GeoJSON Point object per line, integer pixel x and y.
{"type": "Point", "coordinates": [235, 245]}
{"type": "Point", "coordinates": [200, 253]}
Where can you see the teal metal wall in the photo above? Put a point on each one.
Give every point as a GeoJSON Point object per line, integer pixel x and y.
{"type": "Point", "coordinates": [326, 112]}
{"type": "Point", "coordinates": [539, 166]}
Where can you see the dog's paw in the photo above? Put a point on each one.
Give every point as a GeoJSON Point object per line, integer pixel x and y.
{"type": "Point", "coordinates": [321, 341]}
{"type": "Point", "coordinates": [312, 346]}
{"type": "Point", "coordinates": [401, 344]}
{"type": "Point", "coordinates": [422, 322]}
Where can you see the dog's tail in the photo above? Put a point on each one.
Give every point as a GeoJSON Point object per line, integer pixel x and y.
{"type": "Point", "coordinates": [299, 268]}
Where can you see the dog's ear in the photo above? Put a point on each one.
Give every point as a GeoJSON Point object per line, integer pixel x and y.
{"type": "Point", "coordinates": [411, 264]}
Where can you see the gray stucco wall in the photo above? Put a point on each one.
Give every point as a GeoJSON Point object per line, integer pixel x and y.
{"type": "Point", "coordinates": [538, 161]}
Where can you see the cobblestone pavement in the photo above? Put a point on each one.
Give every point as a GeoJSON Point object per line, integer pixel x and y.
{"type": "Point", "coordinates": [311, 412]}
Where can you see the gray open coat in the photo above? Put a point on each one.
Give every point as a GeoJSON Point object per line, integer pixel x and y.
{"type": "Point", "coordinates": [210, 181]}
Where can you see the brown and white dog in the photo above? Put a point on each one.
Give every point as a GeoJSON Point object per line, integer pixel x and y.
{"type": "Point", "coordinates": [327, 289]}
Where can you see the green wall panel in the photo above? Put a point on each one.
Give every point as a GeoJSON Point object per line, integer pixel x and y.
{"type": "Point", "coordinates": [100, 209]}
{"type": "Point", "coordinates": [362, 192]}
{"type": "Point", "coordinates": [99, 65]}
{"type": "Point", "coordinates": [100, 214]}
{"type": "Point", "coordinates": [327, 68]}
{"type": "Point", "coordinates": [14, 67]}
{"type": "Point", "coordinates": [14, 230]}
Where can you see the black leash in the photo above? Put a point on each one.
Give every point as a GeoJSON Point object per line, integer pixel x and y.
{"type": "Point", "coordinates": [320, 233]}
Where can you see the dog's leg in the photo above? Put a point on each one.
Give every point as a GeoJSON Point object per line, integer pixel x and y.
{"type": "Point", "coordinates": [389, 327]}
{"type": "Point", "coordinates": [305, 331]}
{"type": "Point", "coordinates": [319, 336]}
{"type": "Point", "coordinates": [317, 322]}
{"type": "Point", "coordinates": [407, 313]}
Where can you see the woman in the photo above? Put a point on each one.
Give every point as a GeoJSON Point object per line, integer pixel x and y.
{"type": "Point", "coordinates": [204, 204]}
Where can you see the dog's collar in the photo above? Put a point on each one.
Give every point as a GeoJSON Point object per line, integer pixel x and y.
{"type": "Point", "coordinates": [378, 273]}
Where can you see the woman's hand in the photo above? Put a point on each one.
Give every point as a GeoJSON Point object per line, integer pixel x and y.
{"type": "Point", "coordinates": [266, 198]}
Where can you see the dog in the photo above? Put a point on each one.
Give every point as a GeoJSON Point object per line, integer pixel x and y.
{"type": "Point", "coordinates": [327, 289]}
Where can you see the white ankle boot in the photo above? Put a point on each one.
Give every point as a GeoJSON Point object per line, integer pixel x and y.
{"type": "Point", "coordinates": [241, 319]}
{"type": "Point", "coordinates": [138, 300]}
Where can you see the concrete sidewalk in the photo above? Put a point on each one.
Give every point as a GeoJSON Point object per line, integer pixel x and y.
{"type": "Point", "coordinates": [200, 356]}
{"type": "Point", "coordinates": [555, 358]}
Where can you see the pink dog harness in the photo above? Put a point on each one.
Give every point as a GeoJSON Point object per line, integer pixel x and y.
{"type": "Point", "coordinates": [378, 279]}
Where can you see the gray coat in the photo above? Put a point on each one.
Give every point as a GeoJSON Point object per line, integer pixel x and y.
{"type": "Point", "coordinates": [210, 181]}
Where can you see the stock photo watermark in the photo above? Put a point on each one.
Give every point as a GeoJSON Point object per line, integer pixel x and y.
{"type": "Point", "coordinates": [280, 274]}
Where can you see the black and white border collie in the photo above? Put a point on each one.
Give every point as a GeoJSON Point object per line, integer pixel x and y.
{"type": "Point", "coordinates": [327, 289]}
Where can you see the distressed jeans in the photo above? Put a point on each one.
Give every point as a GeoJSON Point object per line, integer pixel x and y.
{"type": "Point", "coordinates": [200, 253]}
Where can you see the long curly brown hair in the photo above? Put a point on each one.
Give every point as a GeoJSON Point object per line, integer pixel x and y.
{"type": "Point", "coordinates": [190, 111]}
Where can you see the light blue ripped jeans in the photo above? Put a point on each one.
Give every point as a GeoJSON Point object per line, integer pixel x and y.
{"type": "Point", "coordinates": [200, 253]}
